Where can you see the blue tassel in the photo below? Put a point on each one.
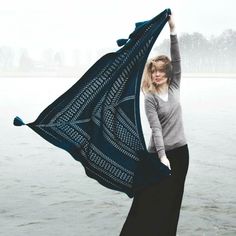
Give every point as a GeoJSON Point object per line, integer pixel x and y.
{"type": "Point", "coordinates": [121, 42]}
{"type": "Point", "coordinates": [18, 121]}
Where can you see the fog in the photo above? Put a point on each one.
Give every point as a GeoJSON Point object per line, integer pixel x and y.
{"type": "Point", "coordinates": [65, 37]}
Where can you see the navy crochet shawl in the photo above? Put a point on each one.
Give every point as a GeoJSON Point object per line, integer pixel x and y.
{"type": "Point", "coordinates": [98, 121]}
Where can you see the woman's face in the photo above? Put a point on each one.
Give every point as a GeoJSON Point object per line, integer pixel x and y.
{"type": "Point", "coordinates": [158, 76]}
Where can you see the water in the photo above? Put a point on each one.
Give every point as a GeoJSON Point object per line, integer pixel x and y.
{"type": "Point", "coordinates": [44, 191]}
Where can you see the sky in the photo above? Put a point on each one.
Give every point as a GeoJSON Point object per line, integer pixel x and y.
{"type": "Point", "coordinates": [86, 24]}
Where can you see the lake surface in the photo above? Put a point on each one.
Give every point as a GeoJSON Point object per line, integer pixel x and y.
{"type": "Point", "coordinates": [44, 191]}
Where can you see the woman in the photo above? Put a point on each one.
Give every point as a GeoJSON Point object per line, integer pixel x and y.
{"type": "Point", "coordinates": [155, 210]}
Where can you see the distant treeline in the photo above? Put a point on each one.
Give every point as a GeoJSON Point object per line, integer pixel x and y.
{"type": "Point", "coordinates": [201, 55]}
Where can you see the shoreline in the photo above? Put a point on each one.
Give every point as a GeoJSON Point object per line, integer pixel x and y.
{"type": "Point", "coordinates": [78, 74]}
{"type": "Point", "coordinates": [209, 75]}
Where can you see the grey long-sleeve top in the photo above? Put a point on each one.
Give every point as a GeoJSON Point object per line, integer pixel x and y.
{"type": "Point", "coordinates": [165, 117]}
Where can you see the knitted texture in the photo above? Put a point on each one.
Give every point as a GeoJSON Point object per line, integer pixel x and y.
{"type": "Point", "coordinates": [98, 121]}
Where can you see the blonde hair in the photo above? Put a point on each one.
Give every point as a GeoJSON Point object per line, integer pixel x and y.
{"type": "Point", "coordinates": [147, 84]}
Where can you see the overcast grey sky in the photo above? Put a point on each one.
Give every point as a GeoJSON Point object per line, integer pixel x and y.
{"type": "Point", "coordinates": [69, 24]}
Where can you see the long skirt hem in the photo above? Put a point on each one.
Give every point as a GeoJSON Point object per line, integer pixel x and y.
{"type": "Point", "coordinates": [155, 210]}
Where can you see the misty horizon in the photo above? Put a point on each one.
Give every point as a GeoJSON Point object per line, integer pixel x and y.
{"type": "Point", "coordinates": [197, 51]}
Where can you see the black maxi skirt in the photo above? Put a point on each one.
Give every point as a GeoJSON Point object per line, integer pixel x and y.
{"type": "Point", "coordinates": [155, 210]}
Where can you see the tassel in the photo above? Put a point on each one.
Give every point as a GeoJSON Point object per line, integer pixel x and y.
{"type": "Point", "coordinates": [18, 121]}
{"type": "Point", "coordinates": [121, 42]}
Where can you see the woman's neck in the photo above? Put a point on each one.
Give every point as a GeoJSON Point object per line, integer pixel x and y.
{"type": "Point", "coordinates": [162, 89]}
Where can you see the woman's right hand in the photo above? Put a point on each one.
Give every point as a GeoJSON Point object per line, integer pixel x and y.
{"type": "Point", "coordinates": [165, 161]}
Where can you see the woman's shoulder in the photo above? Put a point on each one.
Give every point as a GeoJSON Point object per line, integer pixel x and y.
{"type": "Point", "coordinates": [148, 95]}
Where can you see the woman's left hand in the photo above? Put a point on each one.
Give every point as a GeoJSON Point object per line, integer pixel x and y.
{"type": "Point", "coordinates": [171, 23]}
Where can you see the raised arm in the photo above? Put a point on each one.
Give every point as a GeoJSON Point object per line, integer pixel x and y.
{"type": "Point", "coordinates": [175, 55]}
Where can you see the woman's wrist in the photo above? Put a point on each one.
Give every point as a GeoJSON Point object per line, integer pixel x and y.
{"type": "Point", "coordinates": [161, 153]}
{"type": "Point", "coordinates": [164, 156]}
{"type": "Point", "coordinates": [173, 31]}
